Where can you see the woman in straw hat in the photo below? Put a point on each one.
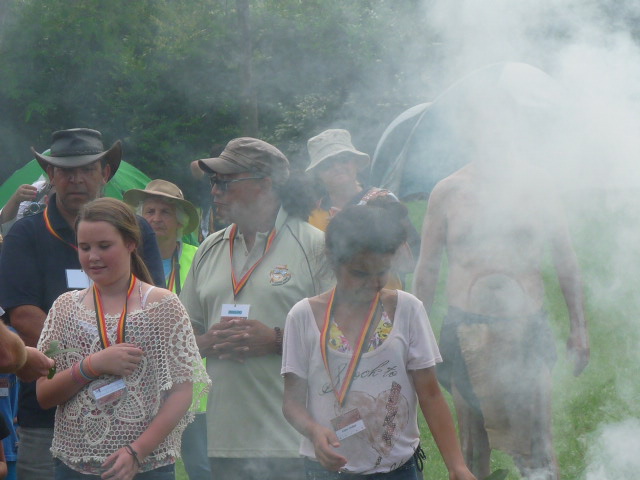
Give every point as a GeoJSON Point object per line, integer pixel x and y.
{"type": "Point", "coordinates": [162, 204]}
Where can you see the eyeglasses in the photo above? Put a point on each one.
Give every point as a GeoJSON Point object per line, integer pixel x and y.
{"type": "Point", "coordinates": [223, 185]}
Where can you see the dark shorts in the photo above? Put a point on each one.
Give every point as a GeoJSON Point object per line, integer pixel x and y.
{"type": "Point", "coordinates": [539, 348]}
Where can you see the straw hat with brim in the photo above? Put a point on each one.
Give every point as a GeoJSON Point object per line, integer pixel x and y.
{"type": "Point", "coordinates": [166, 191]}
{"type": "Point", "coordinates": [331, 144]}
{"type": "Point", "coordinates": [248, 154]}
{"type": "Point", "coordinates": [78, 147]}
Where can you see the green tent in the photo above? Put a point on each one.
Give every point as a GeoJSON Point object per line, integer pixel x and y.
{"type": "Point", "coordinates": [125, 178]}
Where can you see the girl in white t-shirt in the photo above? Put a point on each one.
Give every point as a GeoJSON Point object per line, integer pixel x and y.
{"type": "Point", "coordinates": [359, 359]}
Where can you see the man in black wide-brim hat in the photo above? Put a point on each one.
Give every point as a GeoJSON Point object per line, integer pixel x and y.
{"type": "Point", "coordinates": [39, 262]}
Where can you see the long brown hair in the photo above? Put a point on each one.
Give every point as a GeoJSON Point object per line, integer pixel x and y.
{"type": "Point", "coordinates": [121, 216]}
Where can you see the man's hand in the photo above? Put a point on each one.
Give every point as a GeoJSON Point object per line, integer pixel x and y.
{"type": "Point", "coordinates": [36, 366]}
{"type": "Point", "coordinates": [238, 338]}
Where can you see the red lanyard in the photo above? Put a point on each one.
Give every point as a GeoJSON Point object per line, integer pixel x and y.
{"type": "Point", "coordinates": [358, 351]}
{"type": "Point", "coordinates": [239, 285]}
{"type": "Point", "coordinates": [47, 223]}
{"type": "Point", "coordinates": [101, 319]}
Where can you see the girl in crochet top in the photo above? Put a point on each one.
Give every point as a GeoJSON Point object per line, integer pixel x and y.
{"type": "Point", "coordinates": [124, 381]}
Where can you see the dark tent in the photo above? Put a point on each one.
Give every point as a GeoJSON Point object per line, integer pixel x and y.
{"type": "Point", "coordinates": [430, 141]}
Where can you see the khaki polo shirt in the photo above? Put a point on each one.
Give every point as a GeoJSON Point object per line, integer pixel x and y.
{"type": "Point", "coordinates": [244, 412]}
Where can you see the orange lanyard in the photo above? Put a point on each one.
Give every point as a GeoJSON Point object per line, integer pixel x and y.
{"type": "Point", "coordinates": [357, 353]}
{"type": "Point", "coordinates": [101, 318]}
{"type": "Point", "coordinates": [47, 223]}
{"type": "Point", "coordinates": [239, 285]}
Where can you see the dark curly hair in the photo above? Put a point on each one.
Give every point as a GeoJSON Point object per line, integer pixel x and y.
{"type": "Point", "coordinates": [365, 228]}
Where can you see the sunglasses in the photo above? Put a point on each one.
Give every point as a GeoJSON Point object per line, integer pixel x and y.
{"type": "Point", "coordinates": [223, 185]}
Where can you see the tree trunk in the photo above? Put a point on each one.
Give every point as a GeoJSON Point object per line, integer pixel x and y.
{"type": "Point", "coordinates": [249, 100]}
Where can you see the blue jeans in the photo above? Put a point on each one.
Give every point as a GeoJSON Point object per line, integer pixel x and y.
{"type": "Point", "coordinates": [12, 473]}
{"type": "Point", "coordinates": [168, 472]}
{"type": "Point", "coordinates": [34, 457]}
{"type": "Point", "coordinates": [194, 449]}
{"type": "Point", "coordinates": [407, 471]}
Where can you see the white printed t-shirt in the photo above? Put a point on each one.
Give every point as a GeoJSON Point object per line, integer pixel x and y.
{"type": "Point", "coordinates": [382, 389]}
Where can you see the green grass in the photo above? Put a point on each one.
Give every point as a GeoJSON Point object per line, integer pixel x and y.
{"type": "Point", "coordinates": [608, 391]}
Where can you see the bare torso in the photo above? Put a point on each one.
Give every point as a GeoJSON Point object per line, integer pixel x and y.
{"type": "Point", "coordinates": [496, 235]}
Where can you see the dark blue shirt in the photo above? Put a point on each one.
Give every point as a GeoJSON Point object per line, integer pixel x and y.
{"type": "Point", "coordinates": [33, 271]}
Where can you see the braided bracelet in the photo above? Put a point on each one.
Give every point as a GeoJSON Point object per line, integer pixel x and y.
{"type": "Point", "coordinates": [88, 378]}
{"type": "Point", "coordinates": [134, 454]}
{"type": "Point", "coordinates": [76, 375]}
{"type": "Point", "coordinates": [92, 372]}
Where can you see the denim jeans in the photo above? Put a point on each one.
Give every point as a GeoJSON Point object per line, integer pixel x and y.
{"type": "Point", "coordinates": [168, 472]}
{"type": "Point", "coordinates": [407, 471]}
{"type": "Point", "coordinates": [270, 468]}
{"type": "Point", "coordinates": [194, 449]}
{"type": "Point", "coordinates": [34, 457]}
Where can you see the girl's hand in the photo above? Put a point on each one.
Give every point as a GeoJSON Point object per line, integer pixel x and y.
{"type": "Point", "coordinates": [120, 359]}
{"type": "Point", "coordinates": [461, 473]}
{"type": "Point", "coordinates": [122, 466]}
{"type": "Point", "coordinates": [324, 442]}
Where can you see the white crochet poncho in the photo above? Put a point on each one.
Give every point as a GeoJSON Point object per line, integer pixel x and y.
{"type": "Point", "coordinates": [85, 433]}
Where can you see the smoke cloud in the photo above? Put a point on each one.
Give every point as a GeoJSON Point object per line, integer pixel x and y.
{"type": "Point", "coordinates": [587, 139]}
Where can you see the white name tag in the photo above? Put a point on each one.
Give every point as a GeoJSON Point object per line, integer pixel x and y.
{"type": "Point", "coordinates": [77, 279]}
{"type": "Point", "coordinates": [108, 389]}
{"type": "Point", "coordinates": [348, 424]}
{"type": "Point", "coordinates": [235, 310]}
{"type": "Point", "coordinates": [4, 387]}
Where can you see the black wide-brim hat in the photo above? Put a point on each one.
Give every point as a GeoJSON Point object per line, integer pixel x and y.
{"type": "Point", "coordinates": [78, 147]}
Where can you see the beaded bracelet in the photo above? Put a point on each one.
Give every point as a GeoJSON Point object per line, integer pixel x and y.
{"type": "Point", "coordinates": [278, 331]}
{"type": "Point", "coordinates": [90, 368]}
{"type": "Point", "coordinates": [134, 454]}
{"type": "Point", "coordinates": [83, 373]}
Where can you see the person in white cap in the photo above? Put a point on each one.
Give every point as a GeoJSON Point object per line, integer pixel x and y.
{"type": "Point", "coordinates": [337, 165]}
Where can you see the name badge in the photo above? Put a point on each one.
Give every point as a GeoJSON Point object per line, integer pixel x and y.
{"type": "Point", "coordinates": [4, 387]}
{"type": "Point", "coordinates": [236, 310]}
{"type": "Point", "coordinates": [348, 424]}
{"type": "Point", "coordinates": [77, 279]}
{"type": "Point", "coordinates": [106, 392]}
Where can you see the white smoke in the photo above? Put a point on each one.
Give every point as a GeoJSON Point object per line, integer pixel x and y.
{"type": "Point", "coordinates": [593, 148]}
{"type": "Point", "coordinates": [594, 59]}
{"type": "Point", "coordinates": [614, 452]}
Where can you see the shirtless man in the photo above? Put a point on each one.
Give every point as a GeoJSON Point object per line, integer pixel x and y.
{"type": "Point", "coordinates": [496, 224]}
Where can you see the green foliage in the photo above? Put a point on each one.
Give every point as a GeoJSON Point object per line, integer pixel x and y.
{"type": "Point", "coordinates": [165, 76]}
